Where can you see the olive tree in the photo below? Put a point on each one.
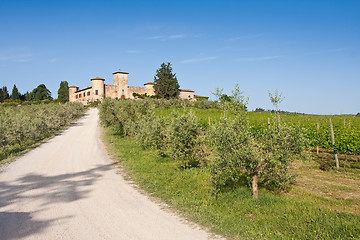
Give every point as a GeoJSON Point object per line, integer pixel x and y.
{"type": "Point", "coordinates": [265, 159]}
{"type": "Point", "coordinates": [276, 99]}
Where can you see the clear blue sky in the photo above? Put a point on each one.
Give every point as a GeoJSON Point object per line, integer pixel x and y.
{"type": "Point", "coordinates": [307, 49]}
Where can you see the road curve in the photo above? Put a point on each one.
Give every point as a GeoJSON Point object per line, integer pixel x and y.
{"type": "Point", "coordinates": [68, 189]}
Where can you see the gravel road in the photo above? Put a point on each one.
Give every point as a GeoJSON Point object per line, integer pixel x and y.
{"type": "Point", "coordinates": [68, 189]}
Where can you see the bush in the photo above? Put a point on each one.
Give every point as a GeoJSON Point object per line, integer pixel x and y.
{"type": "Point", "coordinates": [181, 137]}
{"type": "Point", "coordinates": [151, 132]}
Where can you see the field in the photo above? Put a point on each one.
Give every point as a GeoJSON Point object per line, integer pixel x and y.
{"type": "Point", "coordinates": [23, 126]}
{"type": "Point", "coordinates": [319, 204]}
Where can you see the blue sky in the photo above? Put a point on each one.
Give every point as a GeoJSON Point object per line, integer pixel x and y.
{"type": "Point", "coordinates": [308, 50]}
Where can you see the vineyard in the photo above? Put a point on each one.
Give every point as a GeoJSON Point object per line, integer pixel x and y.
{"type": "Point", "coordinates": [22, 126]}
{"type": "Point", "coordinates": [316, 128]}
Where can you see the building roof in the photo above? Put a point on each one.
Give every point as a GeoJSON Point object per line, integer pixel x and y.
{"type": "Point", "coordinates": [73, 87]}
{"type": "Point", "coordinates": [83, 89]}
{"type": "Point", "coordinates": [200, 96]}
{"type": "Point", "coordinates": [121, 72]}
{"type": "Point", "coordinates": [186, 90]}
{"type": "Point", "coordinates": [98, 78]}
{"type": "Point", "coordinates": [149, 83]}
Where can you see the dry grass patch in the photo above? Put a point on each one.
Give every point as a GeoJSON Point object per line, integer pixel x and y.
{"type": "Point", "coordinates": [336, 190]}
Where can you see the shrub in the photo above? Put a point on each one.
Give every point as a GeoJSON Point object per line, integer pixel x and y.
{"type": "Point", "coordinates": [151, 132]}
{"type": "Point", "coordinates": [181, 138]}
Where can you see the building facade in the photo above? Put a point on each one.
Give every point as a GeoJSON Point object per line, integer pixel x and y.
{"type": "Point", "coordinates": [120, 90]}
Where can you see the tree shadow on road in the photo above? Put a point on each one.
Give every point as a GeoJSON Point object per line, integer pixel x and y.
{"type": "Point", "coordinates": [46, 191]}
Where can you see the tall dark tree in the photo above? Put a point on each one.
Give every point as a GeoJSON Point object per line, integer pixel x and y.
{"type": "Point", "coordinates": [63, 92]}
{"type": "Point", "coordinates": [166, 83]}
{"type": "Point", "coordinates": [4, 94]}
{"type": "Point", "coordinates": [41, 93]}
{"type": "Point", "coordinates": [15, 95]}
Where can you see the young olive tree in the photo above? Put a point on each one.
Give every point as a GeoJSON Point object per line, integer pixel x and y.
{"type": "Point", "coordinates": [276, 99]}
{"type": "Point", "coordinates": [265, 159]}
{"type": "Point", "coordinates": [235, 102]}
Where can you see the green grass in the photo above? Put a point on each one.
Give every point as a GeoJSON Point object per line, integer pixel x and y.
{"type": "Point", "coordinates": [234, 214]}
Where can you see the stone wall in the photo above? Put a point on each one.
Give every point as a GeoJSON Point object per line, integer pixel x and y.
{"type": "Point", "coordinates": [138, 90]}
{"type": "Point", "coordinates": [111, 91]}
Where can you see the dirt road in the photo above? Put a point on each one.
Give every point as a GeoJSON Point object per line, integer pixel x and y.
{"type": "Point", "coordinates": [68, 189]}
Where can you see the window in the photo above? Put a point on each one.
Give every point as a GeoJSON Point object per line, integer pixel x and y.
{"type": "Point", "coordinates": [88, 93]}
{"type": "Point", "coordinates": [96, 92]}
{"type": "Point", "coordinates": [76, 96]}
{"type": "Point", "coordinates": [84, 94]}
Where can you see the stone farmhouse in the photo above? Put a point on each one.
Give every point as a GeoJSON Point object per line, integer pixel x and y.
{"type": "Point", "coordinates": [120, 90]}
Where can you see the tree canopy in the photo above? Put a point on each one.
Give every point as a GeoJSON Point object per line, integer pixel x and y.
{"type": "Point", "coordinates": [41, 93]}
{"type": "Point", "coordinates": [166, 83]}
{"type": "Point", "coordinates": [63, 92]}
{"type": "Point", "coordinates": [15, 95]}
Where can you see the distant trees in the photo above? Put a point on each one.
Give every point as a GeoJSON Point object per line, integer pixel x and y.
{"type": "Point", "coordinates": [63, 92]}
{"type": "Point", "coordinates": [166, 83]}
{"type": "Point", "coordinates": [4, 94]}
{"type": "Point", "coordinates": [26, 97]}
{"type": "Point", "coordinates": [40, 93]}
{"type": "Point", "coordinates": [37, 94]}
{"type": "Point", "coordinates": [15, 95]}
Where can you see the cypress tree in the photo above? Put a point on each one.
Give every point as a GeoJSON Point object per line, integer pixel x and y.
{"type": "Point", "coordinates": [166, 83]}
{"type": "Point", "coordinates": [15, 95]}
{"type": "Point", "coordinates": [63, 92]}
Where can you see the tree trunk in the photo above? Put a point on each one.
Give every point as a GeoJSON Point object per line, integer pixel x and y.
{"type": "Point", "coordinates": [255, 187]}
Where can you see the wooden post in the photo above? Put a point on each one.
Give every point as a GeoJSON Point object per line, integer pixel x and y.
{"type": "Point", "coordinates": [317, 147]}
{"type": "Point", "coordinates": [209, 121]}
{"type": "Point", "coordinates": [333, 143]}
{"type": "Point", "coordinates": [269, 122]}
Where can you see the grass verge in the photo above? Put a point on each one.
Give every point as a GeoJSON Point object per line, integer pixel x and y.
{"type": "Point", "coordinates": [233, 214]}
